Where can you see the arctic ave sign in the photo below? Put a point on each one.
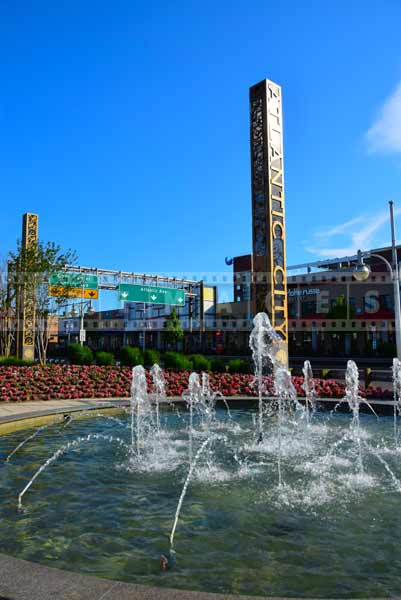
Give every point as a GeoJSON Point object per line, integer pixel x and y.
{"type": "Point", "coordinates": [151, 294]}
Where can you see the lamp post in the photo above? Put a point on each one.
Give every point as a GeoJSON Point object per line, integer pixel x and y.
{"type": "Point", "coordinates": [83, 307]}
{"type": "Point", "coordinates": [361, 273]}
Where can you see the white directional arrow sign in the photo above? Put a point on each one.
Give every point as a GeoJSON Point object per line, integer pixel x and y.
{"type": "Point", "coordinates": [151, 294]}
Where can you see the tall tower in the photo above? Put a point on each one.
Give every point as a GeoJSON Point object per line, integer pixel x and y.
{"type": "Point", "coordinates": [268, 217]}
{"type": "Point", "coordinates": [27, 294]}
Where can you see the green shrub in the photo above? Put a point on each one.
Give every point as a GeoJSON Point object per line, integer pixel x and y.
{"type": "Point", "coordinates": [131, 356]}
{"type": "Point", "coordinates": [80, 355]}
{"type": "Point", "coordinates": [200, 362]}
{"type": "Point", "coordinates": [387, 349]}
{"type": "Point", "coordinates": [238, 365]}
{"type": "Point", "coordinates": [176, 360]}
{"type": "Point", "coordinates": [218, 365]}
{"type": "Point", "coordinates": [151, 357]}
{"type": "Point", "coordinates": [13, 361]}
{"type": "Point", "coordinates": [105, 358]}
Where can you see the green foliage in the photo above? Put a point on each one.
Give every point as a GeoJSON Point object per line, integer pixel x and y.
{"type": "Point", "coordinates": [199, 362]}
{"type": "Point", "coordinates": [105, 358]}
{"type": "Point", "coordinates": [29, 272]}
{"type": "Point", "coordinates": [131, 356]}
{"type": "Point", "coordinates": [218, 365]}
{"type": "Point", "coordinates": [387, 349]}
{"type": "Point", "coordinates": [238, 365]}
{"type": "Point", "coordinates": [13, 361]}
{"type": "Point", "coordinates": [176, 360]}
{"type": "Point", "coordinates": [325, 373]}
{"type": "Point", "coordinates": [173, 331]}
{"type": "Point", "coordinates": [151, 357]}
{"type": "Point", "coordinates": [80, 355]}
{"type": "Point", "coordinates": [339, 309]}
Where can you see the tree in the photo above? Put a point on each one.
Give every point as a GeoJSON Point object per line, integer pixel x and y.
{"type": "Point", "coordinates": [7, 313]}
{"type": "Point", "coordinates": [339, 309]}
{"type": "Point", "coordinates": [173, 331]}
{"type": "Point", "coordinates": [29, 273]}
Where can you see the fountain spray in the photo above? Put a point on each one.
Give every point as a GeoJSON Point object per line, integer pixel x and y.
{"type": "Point", "coordinates": [309, 389]}
{"type": "Point", "coordinates": [63, 450]}
{"type": "Point", "coordinates": [194, 392]}
{"type": "Point", "coordinates": [159, 388]}
{"type": "Point", "coordinates": [397, 395]}
{"type": "Point", "coordinates": [139, 405]}
{"type": "Point", "coordinates": [184, 490]}
{"type": "Point", "coordinates": [32, 436]}
{"type": "Point", "coordinates": [261, 342]}
{"type": "Point", "coordinates": [353, 398]}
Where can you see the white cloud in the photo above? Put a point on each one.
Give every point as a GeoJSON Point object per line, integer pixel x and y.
{"type": "Point", "coordinates": [338, 228]}
{"type": "Point", "coordinates": [361, 233]}
{"type": "Point", "coordinates": [385, 134]}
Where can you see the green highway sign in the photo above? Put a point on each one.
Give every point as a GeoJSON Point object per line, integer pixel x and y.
{"type": "Point", "coordinates": [151, 294]}
{"type": "Point", "coordinates": [86, 281]}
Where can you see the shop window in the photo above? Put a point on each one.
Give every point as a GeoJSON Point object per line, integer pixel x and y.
{"type": "Point", "coordinates": [308, 308]}
{"type": "Point", "coordinates": [386, 301]}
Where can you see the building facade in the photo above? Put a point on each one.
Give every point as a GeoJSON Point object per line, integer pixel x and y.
{"type": "Point", "coordinates": [330, 313]}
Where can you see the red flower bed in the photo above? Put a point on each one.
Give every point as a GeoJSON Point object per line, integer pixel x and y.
{"type": "Point", "coordinates": [20, 384]}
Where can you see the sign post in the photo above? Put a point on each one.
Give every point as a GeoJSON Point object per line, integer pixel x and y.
{"type": "Point", "coordinates": [74, 285]}
{"type": "Point", "coordinates": [150, 294]}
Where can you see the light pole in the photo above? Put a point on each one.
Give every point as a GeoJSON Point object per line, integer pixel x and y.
{"type": "Point", "coordinates": [362, 272]}
{"type": "Point", "coordinates": [83, 306]}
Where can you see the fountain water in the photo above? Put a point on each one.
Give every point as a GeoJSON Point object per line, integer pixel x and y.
{"type": "Point", "coordinates": [193, 397]}
{"type": "Point", "coordinates": [159, 391]}
{"type": "Point", "coordinates": [140, 409]}
{"type": "Point", "coordinates": [353, 398]}
{"type": "Point", "coordinates": [63, 450]}
{"type": "Point", "coordinates": [309, 389]}
{"type": "Point", "coordinates": [396, 395]}
{"type": "Point", "coordinates": [261, 341]}
{"type": "Point", "coordinates": [184, 489]}
{"type": "Point", "coordinates": [32, 436]}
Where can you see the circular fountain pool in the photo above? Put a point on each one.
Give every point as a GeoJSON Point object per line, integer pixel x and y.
{"type": "Point", "coordinates": [331, 530]}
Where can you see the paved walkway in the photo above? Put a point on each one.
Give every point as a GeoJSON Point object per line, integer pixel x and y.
{"type": "Point", "coordinates": [10, 411]}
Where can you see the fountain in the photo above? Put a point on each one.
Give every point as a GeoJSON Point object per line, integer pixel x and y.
{"type": "Point", "coordinates": [309, 389]}
{"type": "Point", "coordinates": [269, 511]}
{"type": "Point", "coordinates": [396, 396]}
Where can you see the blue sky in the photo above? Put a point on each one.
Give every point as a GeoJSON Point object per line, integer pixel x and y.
{"type": "Point", "coordinates": [125, 126]}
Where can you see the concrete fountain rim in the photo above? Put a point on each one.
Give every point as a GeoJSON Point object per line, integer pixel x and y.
{"type": "Point", "coordinates": [26, 580]}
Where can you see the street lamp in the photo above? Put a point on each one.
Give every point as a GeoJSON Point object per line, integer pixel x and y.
{"type": "Point", "coordinates": [83, 305]}
{"type": "Point", "coordinates": [361, 273]}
